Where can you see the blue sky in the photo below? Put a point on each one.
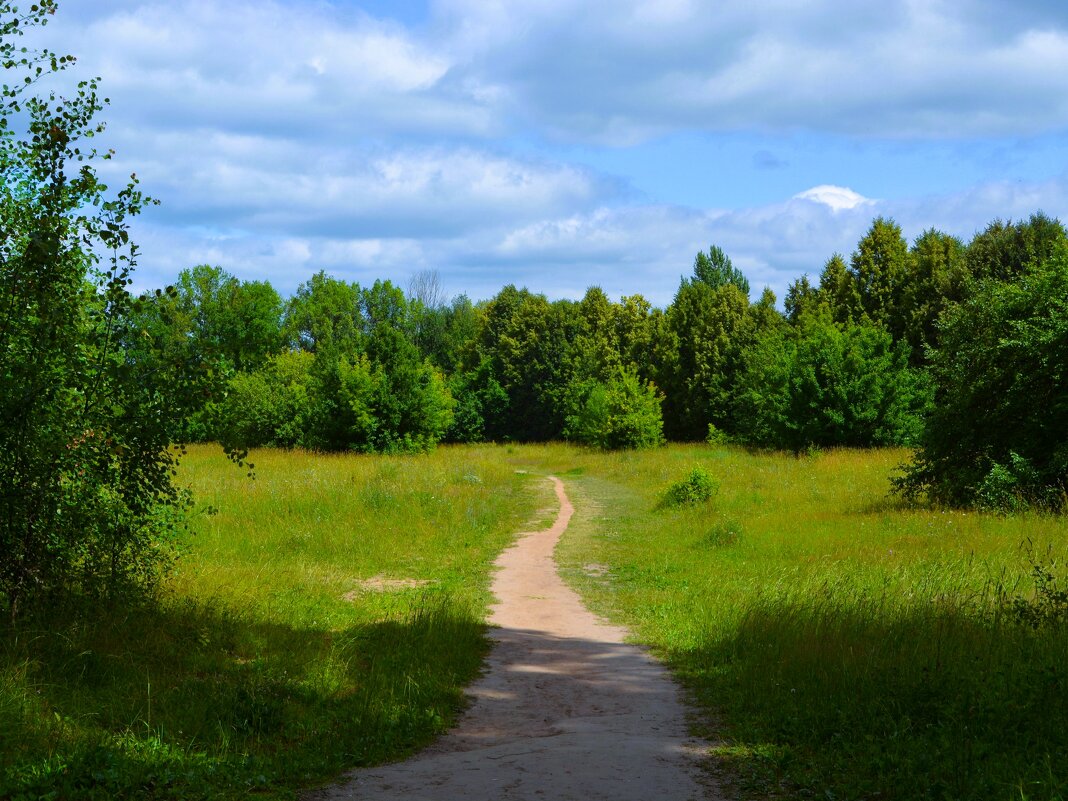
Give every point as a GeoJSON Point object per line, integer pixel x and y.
{"type": "Point", "coordinates": [560, 144]}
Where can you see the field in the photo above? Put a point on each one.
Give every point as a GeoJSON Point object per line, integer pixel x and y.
{"type": "Point", "coordinates": [837, 643]}
{"type": "Point", "coordinates": [842, 645]}
{"type": "Point", "coordinates": [272, 662]}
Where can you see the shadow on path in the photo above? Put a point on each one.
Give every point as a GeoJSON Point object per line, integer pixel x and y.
{"type": "Point", "coordinates": [565, 709]}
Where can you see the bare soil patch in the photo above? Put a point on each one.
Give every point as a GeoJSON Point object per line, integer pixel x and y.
{"type": "Point", "coordinates": [382, 584]}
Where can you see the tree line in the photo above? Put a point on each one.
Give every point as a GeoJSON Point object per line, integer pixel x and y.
{"type": "Point", "coordinates": [896, 344]}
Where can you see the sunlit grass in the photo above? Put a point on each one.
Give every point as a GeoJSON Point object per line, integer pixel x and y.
{"type": "Point", "coordinates": [845, 645]}
{"type": "Point", "coordinates": [841, 644]}
{"type": "Point", "coordinates": [272, 662]}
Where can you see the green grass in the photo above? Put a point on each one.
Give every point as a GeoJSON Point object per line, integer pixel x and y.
{"type": "Point", "coordinates": [268, 666]}
{"type": "Point", "coordinates": [841, 645]}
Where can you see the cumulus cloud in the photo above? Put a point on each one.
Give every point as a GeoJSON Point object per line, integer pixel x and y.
{"type": "Point", "coordinates": [262, 66]}
{"type": "Point", "coordinates": [619, 71]}
{"type": "Point", "coordinates": [288, 137]}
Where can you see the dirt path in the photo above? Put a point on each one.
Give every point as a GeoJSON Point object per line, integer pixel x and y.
{"type": "Point", "coordinates": [565, 709]}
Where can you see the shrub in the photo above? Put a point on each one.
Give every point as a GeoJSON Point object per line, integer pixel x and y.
{"type": "Point", "coordinates": [269, 407]}
{"type": "Point", "coordinates": [716, 436]}
{"type": "Point", "coordinates": [697, 487]}
{"type": "Point", "coordinates": [995, 435]}
{"type": "Point", "coordinates": [623, 413]}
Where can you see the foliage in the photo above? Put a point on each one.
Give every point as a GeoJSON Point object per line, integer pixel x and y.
{"type": "Point", "coordinates": [89, 401]}
{"type": "Point", "coordinates": [715, 269]}
{"type": "Point", "coordinates": [821, 383]}
{"type": "Point", "coordinates": [269, 407]}
{"type": "Point", "coordinates": [1048, 606]}
{"type": "Point", "coordinates": [710, 330]}
{"type": "Point", "coordinates": [237, 321]}
{"type": "Point", "coordinates": [623, 413]}
{"type": "Point", "coordinates": [324, 316]}
{"type": "Point", "coordinates": [996, 431]}
{"type": "Point", "coordinates": [698, 487]}
{"type": "Point", "coordinates": [481, 405]}
{"type": "Point", "coordinates": [1004, 251]}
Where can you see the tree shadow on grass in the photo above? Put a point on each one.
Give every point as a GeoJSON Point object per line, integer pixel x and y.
{"type": "Point", "coordinates": [189, 701]}
{"type": "Point", "coordinates": [934, 702]}
{"type": "Point", "coordinates": [553, 716]}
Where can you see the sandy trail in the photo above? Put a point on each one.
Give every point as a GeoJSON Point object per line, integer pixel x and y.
{"type": "Point", "coordinates": [565, 709]}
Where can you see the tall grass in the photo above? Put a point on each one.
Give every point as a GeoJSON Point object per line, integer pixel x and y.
{"type": "Point", "coordinates": [270, 663]}
{"type": "Point", "coordinates": [845, 646]}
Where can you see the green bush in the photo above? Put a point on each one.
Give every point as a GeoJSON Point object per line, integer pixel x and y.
{"type": "Point", "coordinates": [622, 413]}
{"type": "Point", "coordinates": [697, 487]}
{"type": "Point", "coordinates": [997, 432]}
{"type": "Point", "coordinates": [269, 407]}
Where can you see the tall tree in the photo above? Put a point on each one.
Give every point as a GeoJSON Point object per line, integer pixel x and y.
{"type": "Point", "coordinates": [1005, 250]}
{"type": "Point", "coordinates": [879, 267]}
{"type": "Point", "coordinates": [87, 502]}
{"type": "Point", "coordinates": [716, 269]}
{"type": "Point", "coordinates": [997, 433]}
{"type": "Point", "coordinates": [937, 278]}
{"type": "Point", "coordinates": [710, 329]}
{"type": "Point", "coordinates": [325, 315]}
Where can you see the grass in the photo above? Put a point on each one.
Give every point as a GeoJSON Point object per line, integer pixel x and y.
{"type": "Point", "coordinates": [269, 665]}
{"type": "Point", "coordinates": [841, 645]}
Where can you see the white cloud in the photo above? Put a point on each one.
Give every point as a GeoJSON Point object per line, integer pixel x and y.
{"type": "Point", "coordinates": [607, 70]}
{"type": "Point", "coordinates": [837, 198]}
{"type": "Point", "coordinates": [260, 65]}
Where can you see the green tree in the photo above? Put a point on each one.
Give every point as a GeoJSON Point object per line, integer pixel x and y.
{"type": "Point", "coordinates": [937, 278]}
{"type": "Point", "coordinates": [481, 409]}
{"type": "Point", "coordinates": [632, 320]}
{"type": "Point", "coordinates": [998, 429]}
{"type": "Point", "coordinates": [325, 315]}
{"type": "Point", "coordinates": [801, 296]}
{"type": "Point", "coordinates": [529, 344]}
{"type": "Point", "coordinates": [1006, 250]}
{"type": "Point", "coordinates": [271, 406]}
{"type": "Point", "coordinates": [838, 291]}
{"type": "Point", "coordinates": [709, 331]}
{"type": "Point", "coordinates": [879, 267]}
{"type": "Point", "coordinates": [88, 404]}
{"type": "Point", "coordinates": [825, 383]}
{"type": "Point", "coordinates": [716, 269]}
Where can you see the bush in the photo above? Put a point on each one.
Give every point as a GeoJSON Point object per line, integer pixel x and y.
{"type": "Point", "coordinates": [90, 402]}
{"type": "Point", "coordinates": [697, 487]}
{"type": "Point", "coordinates": [716, 436]}
{"type": "Point", "coordinates": [997, 432]}
{"type": "Point", "coordinates": [270, 407]}
{"type": "Point", "coordinates": [623, 413]}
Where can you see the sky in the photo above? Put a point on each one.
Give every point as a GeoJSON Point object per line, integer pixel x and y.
{"type": "Point", "coordinates": [564, 144]}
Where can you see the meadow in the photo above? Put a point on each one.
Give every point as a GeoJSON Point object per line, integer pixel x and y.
{"type": "Point", "coordinates": [839, 643]}
{"type": "Point", "coordinates": [836, 643]}
{"type": "Point", "coordinates": [280, 655]}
